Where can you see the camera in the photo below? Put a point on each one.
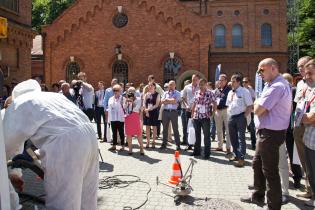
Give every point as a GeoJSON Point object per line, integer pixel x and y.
{"type": "Point", "coordinates": [130, 95]}
{"type": "Point", "coordinates": [77, 86]}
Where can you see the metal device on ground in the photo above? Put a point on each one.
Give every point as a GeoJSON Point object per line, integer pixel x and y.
{"type": "Point", "coordinates": [183, 188]}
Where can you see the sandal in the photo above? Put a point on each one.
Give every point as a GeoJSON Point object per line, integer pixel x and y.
{"type": "Point", "coordinates": [147, 146]}
{"type": "Point", "coordinates": [153, 145]}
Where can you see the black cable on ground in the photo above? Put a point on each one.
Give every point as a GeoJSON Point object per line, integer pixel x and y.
{"type": "Point", "coordinates": [109, 182]}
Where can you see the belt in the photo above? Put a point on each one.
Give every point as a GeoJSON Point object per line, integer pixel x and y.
{"type": "Point", "coordinates": [238, 115]}
{"type": "Point", "coordinates": [170, 110]}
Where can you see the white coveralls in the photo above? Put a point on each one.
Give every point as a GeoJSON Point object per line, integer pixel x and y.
{"type": "Point", "coordinates": [67, 143]}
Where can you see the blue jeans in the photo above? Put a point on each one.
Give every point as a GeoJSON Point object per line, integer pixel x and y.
{"type": "Point", "coordinates": [237, 128]}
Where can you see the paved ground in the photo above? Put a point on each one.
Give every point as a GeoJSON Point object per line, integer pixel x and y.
{"type": "Point", "coordinates": [213, 179]}
{"type": "Point", "coordinates": [216, 178]}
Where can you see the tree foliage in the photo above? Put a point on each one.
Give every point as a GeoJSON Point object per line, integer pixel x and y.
{"type": "Point", "coordinates": [46, 11]}
{"type": "Point", "coordinates": [306, 28]}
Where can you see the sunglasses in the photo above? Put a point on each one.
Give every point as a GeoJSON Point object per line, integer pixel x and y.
{"type": "Point", "coordinates": [260, 71]}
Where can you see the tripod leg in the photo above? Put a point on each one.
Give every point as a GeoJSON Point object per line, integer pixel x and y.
{"type": "Point", "coordinates": [99, 152]}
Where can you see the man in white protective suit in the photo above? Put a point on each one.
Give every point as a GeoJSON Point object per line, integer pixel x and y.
{"type": "Point", "coordinates": [66, 140]}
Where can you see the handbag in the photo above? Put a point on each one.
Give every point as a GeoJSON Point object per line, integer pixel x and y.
{"type": "Point", "coordinates": [108, 133]}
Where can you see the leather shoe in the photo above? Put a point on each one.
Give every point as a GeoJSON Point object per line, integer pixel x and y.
{"type": "Point", "coordinates": [219, 149]}
{"type": "Point", "coordinates": [162, 147]}
{"type": "Point", "coordinates": [249, 199]}
{"type": "Point", "coordinates": [310, 203]}
{"type": "Point", "coordinates": [285, 199]}
{"type": "Point", "coordinates": [233, 159]}
{"type": "Point", "coordinates": [250, 187]}
{"type": "Point", "coordinates": [240, 164]}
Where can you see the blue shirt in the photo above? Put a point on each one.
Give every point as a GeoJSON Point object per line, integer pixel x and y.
{"type": "Point", "coordinates": [108, 93]}
{"type": "Point", "coordinates": [172, 94]}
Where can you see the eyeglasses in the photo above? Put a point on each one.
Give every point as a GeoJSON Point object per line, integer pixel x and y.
{"type": "Point", "coordinates": [260, 71]}
{"type": "Point", "coordinates": [116, 90]}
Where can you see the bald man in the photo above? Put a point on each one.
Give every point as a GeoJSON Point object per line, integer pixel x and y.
{"type": "Point", "coordinates": [273, 111]}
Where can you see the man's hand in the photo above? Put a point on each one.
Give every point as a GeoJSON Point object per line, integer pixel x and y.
{"type": "Point", "coordinates": [17, 182]}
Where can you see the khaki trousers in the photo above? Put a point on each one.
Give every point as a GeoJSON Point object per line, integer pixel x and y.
{"type": "Point", "coordinates": [221, 117]}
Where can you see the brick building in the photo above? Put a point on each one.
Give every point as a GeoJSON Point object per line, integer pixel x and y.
{"type": "Point", "coordinates": [15, 50]}
{"type": "Point", "coordinates": [172, 39]}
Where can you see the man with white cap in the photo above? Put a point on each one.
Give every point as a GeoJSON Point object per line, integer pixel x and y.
{"type": "Point", "coordinates": [67, 143]}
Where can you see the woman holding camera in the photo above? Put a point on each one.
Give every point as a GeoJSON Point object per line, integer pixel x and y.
{"type": "Point", "coordinates": [151, 103]}
{"type": "Point", "coordinates": [132, 108]}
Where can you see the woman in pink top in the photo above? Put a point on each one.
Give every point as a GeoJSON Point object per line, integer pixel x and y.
{"type": "Point", "coordinates": [132, 119]}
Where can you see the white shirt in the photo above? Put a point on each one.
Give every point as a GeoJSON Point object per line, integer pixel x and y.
{"type": "Point", "coordinates": [238, 100]}
{"type": "Point", "coordinates": [88, 96]}
{"type": "Point", "coordinates": [189, 94]}
{"type": "Point", "coordinates": [115, 109]}
{"type": "Point", "coordinates": [100, 97]}
{"type": "Point", "coordinates": [300, 88]}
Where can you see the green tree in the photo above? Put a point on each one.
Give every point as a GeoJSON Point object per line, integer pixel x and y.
{"type": "Point", "coordinates": [46, 11]}
{"type": "Point", "coordinates": [306, 28]}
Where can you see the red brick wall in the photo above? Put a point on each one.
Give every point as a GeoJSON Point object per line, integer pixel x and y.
{"type": "Point", "coordinates": [156, 28]}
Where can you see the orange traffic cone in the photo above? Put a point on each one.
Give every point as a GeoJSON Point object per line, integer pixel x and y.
{"type": "Point", "coordinates": [176, 168]}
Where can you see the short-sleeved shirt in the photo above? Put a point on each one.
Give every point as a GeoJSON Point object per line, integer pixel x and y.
{"type": "Point", "coordinates": [300, 90]}
{"type": "Point", "coordinates": [309, 134]}
{"type": "Point", "coordinates": [172, 94]}
{"type": "Point", "coordinates": [203, 104]}
{"type": "Point", "coordinates": [189, 94]}
{"type": "Point", "coordinates": [277, 99]}
{"type": "Point", "coordinates": [238, 100]}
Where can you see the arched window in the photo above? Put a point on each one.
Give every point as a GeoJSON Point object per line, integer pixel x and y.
{"type": "Point", "coordinates": [73, 68]}
{"type": "Point", "coordinates": [172, 66]}
{"type": "Point", "coordinates": [237, 36]}
{"type": "Point", "coordinates": [219, 39]}
{"type": "Point", "coordinates": [266, 34]}
{"type": "Point", "coordinates": [120, 71]}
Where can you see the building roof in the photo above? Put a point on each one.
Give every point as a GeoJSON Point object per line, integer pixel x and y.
{"type": "Point", "coordinates": [37, 45]}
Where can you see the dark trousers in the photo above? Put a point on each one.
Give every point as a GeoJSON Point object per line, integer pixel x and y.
{"type": "Point", "coordinates": [205, 125]}
{"type": "Point", "coordinates": [99, 113]}
{"type": "Point", "coordinates": [296, 169]}
{"type": "Point", "coordinates": [252, 130]}
{"type": "Point", "coordinates": [184, 123]}
{"type": "Point", "coordinates": [237, 128]}
{"type": "Point", "coordinates": [266, 167]}
{"type": "Point", "coordinates": [89, 113]}
{"type": "Point", "coordinates": [212, 128]}
{"type": "Point", "coordinates": [118, 126]}
{"type": "Point", "coordinates": [167, 117]}
{"type": "Point", "coordinates": [310, 165]}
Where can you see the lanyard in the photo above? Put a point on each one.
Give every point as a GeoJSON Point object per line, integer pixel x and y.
{"type": "Point", "coordinates": [309, 103]}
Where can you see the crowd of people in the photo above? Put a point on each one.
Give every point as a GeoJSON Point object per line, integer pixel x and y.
{"type": "Point", "coordinates": [279, 117]}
